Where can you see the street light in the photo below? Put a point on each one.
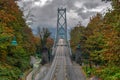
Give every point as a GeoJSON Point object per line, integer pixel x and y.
{"type": "Point", "coordinates": [14, 42]}
{"type": "Point", "coordinates": [78, 55]}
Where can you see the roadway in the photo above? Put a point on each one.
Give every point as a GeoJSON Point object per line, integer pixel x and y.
{"type": "Point", "coordinates": [62, 67]}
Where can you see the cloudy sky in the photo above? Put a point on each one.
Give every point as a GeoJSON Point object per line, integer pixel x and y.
{"type": "Point", "coordinates": [43, 13]}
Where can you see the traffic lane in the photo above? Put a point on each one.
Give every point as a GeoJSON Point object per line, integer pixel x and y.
{"type": "Point", "coordinates": [51, 71]}
{"type": "Point", "coordinates": [74, 72]}
{"type": "Point", "coordinates": [60, 67]}
{"type": "Point", "coordinates": [69, 68]}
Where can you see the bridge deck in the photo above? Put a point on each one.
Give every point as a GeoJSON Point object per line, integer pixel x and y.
{"type": "Point", "coordinates": [62, 67]}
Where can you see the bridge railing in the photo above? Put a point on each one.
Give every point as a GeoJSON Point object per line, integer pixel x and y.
{"type": "Point", "coordinates": [51, 72]}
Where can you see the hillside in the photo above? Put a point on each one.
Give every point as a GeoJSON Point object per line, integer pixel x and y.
{"type": "Point", "coordinates": [14, 58]}
{"type": "Point", "coordinates": [100, 44]}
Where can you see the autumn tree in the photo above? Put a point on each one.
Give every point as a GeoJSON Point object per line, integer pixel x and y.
{"type": "Point", "coordinates": [101, 42]}
{"type": "Point", "coordinates": [14, 60]}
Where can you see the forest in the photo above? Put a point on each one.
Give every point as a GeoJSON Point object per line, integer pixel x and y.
{"type": "Point", "coordinates": [99, 44]}
{"type": "Point", "coordinates": [17, 42]}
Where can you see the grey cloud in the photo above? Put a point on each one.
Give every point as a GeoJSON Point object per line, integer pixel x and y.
{"type": "Point", "coordinates": [47, 15]}
{"type": "Point", "coordinates": [86, 15]}
{"type": "Point", "coordinates": [91, 5]}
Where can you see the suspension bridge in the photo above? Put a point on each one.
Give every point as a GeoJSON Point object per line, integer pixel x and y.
{"type": "Point", "coordinates": [62, 68]}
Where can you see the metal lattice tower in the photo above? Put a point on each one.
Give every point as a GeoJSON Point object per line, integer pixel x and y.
{"type": "Point", "coordinates": [61, 24]}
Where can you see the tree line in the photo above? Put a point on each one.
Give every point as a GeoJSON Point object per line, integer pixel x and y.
{"type": "Point", "coordinates": [17, 42]}
{"type": "Point", "coordinates": [100, 43]}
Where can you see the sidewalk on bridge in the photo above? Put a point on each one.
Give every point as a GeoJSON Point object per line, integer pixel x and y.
{"type": "Point", "coordinates": [26, 74]}
{"type": "Point", "coordinates": [78, 69]}
{"type": "Point", "coordinates": [36, 66]}
{"type": "Point", "coordinates": [42, 72]}
{"type": "Point", "coordinates": [84, 76]}
{"type": "Point", "coordinates": [38, 71]}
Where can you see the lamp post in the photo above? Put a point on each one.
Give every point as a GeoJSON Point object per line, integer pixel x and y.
{"type": "Point", "coordinates": [42, 37]}
{"type": "Point", "coordinates": [14, 42]}
{"type": "Point", "coordinates": [78, 55]}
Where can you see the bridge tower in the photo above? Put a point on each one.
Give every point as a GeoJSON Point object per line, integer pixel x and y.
{"type": "Point", "coordinates": [61, 24]}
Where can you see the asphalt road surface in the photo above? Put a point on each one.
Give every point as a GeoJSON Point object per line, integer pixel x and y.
{"type": "Point", "coordinates": [62, 67]}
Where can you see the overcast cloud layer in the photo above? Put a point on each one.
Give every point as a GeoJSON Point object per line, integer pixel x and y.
{"type": "Point", "coordinates": [43, 13]}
